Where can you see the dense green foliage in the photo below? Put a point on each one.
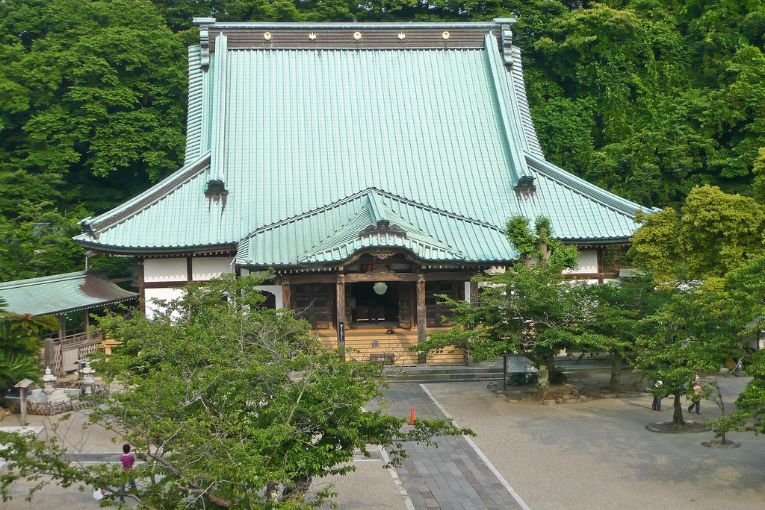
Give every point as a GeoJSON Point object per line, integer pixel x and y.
{"type": "Point", "coordinates": [710, 255]}
{"type": "Point", "coordinates": [225, 401]}
{"type": "Point", "coordinates": [20, 346]}
{"type": "Point", "coordinates": [645, 98]}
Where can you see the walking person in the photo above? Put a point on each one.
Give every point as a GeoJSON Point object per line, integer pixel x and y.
{"type": "Point", "coordinates": [127, 459]}
{"type": "Point", "coordinates": [656, 405]}
{"type": "Point", "coordinates": [696, 395]}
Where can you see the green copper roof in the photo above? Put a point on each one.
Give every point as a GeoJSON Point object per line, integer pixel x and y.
{"type": "Point", "coordinates": [373, 219]}
{"type": "Point", "coordinates": [61, 293]}
{"type": "Point", "coordinates": [299, 136]}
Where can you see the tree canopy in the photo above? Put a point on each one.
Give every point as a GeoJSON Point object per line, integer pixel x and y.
{"type": "Point", "coordinates": [227, 403]}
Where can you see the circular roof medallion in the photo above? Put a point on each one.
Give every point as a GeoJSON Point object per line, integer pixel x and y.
{"type": "Point", "coordinates": [267, 36]}
{"type": "Point", "coordinates": [357, 35]}
{"type": "Point", "coordinates": [445, 35]}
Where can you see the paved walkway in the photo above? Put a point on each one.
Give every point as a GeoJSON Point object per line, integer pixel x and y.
{"type": "Point", "coordinates": [453, 476]}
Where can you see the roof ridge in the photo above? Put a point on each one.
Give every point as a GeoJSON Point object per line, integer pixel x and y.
{"type": "Point", "coordinates": [306, 214]}
{"type": "Point", "coordinates": [360, 194]}
{"type": "Point", "coordinates": [584, 187]}
{"type": "Point", "coordinates": [342, 228]}
{"type": "Point", "coordinates": [42, 279]}
{"type": "Point", "coordinates": [378, 212]}
{"type": "Point", "coordinates": [517, 82]}
{"type": "Point", "coordinates": [151, 195]}
{"type": "Point", "coordinates": [439, 211]}
{"type": "Point", "coordinates": [510, 138]}
{"type": "Point", "coordinates": [329, 25]}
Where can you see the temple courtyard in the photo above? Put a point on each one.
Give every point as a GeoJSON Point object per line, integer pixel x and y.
{"type": "Point", "coordinates": [593, 454]}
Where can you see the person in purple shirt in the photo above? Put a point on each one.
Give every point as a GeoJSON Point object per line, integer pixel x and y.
{"type": "Point", "coordinates": [127, 459]}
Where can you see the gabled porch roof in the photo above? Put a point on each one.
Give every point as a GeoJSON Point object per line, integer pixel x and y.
{"type": "Point", "coordinates": [373, 219]}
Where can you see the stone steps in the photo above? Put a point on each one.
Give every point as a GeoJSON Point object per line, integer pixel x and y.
{"type": "Point", "coordinates": [442, 374]}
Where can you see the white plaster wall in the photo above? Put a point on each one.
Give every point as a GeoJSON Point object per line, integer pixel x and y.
{"type": "Point", "coordinates": [467, 292]}
{"type": "Point", "coordinates": [164, 270]}
{"type": "Point", "coordinates": [162, 294]}
{"type": "Point", "coordinates": [276, 290]}
{"type": "Point", "coordinates": [207, 268]}
{"type": "Point", "coordinates": [587, 263]}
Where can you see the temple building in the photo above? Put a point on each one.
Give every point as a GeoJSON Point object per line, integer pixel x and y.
{"type": "Point", "coordinates": [371, 166]}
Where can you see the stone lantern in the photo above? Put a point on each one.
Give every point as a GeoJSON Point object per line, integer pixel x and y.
{"type": "Point", "coordinates": [87, 379]}
{"type": "Point", "coordinates": [48, 379]}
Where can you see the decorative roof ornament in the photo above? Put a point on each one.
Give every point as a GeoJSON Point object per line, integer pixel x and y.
{"type": "Point", "coordinates": [204, 41]}
{"type": "Point", "coordinates": [401, 36]}
{"type": "Point", "coordinates": [357, 35]}
{"type": "Point", "coordinates": [507, 39]}
{"type": "Point", "coordinates": [525, 184]}
{"type": "Point", "coordinates": [216, 188]}
{"type": "Point", "coordinates": [445, 35]}
{"type": "Point", "coordinates": [267, 36]}
{"type": "Point", "coordinates": [312, 36]}
{"type": "Point", "coordinates": [383, 227]}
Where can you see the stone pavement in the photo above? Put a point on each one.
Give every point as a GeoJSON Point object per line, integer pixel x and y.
{"type": "Point", "coordinates": [451, 476]}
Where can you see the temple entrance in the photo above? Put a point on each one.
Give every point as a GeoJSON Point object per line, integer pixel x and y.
{"type": "Point", "coordinates": [375, 303]}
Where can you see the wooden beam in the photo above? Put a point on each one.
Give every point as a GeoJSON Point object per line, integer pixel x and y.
{"type": "Point", "coordinates": [163, 285]}
{"type": "Point", "coordinates": [310, 278]}
{"type": "Point", "coordinates": [437, 277]}
{"type": "Point", "coordinates": [189, 269]}
{"type": "Point", "coordinates": [384, 276]}
{"type": "Point", "coordinates": [421, 309]}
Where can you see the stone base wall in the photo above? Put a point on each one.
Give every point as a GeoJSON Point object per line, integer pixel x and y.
{"type": "Point", "coordinates": [51, 408]}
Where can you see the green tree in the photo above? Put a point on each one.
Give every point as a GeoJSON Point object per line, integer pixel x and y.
{"type": "Point", "coordinates": [525, 309]}
{"type": "Point", "coordinates": [694, 333]}
{"type": "Point", "coordinates": [613, 314]}
{"type": "Point", "coordinates": [226, 401]}
{"type": "Point", "coordinates": [747, 287]}
{"type": "Point", "coordinates": [714, 233]}
{"type": "Point", "coordinates": [90, 90]}
{"type": "Point", "coordinates": [38, 242]}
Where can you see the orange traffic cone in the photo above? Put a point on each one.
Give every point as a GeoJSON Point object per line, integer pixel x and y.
{"type": "Point", "coordinates": [412, 416]}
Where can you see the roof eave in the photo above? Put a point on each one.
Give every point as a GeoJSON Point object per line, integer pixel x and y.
{"type": "Point", "coordinates": [139, 251]}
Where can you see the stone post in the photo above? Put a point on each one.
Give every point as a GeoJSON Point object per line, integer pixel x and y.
{"type": "Point", "coordinates": [87, 379]}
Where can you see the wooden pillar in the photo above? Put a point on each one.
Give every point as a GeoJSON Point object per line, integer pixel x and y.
{"type": "Point", "coordinates": [340, 298]}
{"type": "Point", "coordinates": [86, 324]}
{"type": "Point", "coordinates": [340, 301]}
{"type": "Point", "coordinates": [421, 310]}
{"type": "Point", "coordinates": [286, 296]}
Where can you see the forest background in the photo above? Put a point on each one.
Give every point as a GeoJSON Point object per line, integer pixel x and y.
{"type": "Point", "coordinates": [645, 98]}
